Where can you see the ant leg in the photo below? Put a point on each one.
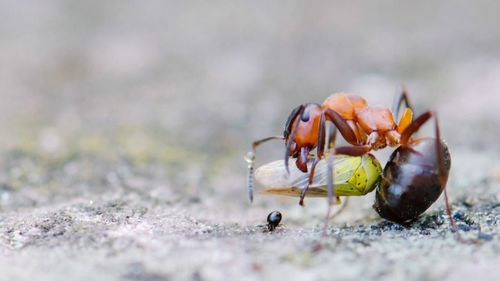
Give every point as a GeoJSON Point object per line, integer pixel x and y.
{"type": "Point", "coordinates": [414, 126]}
{"type": "Point", "coordinates": [330, 175]}
{"type": "Point", "coordinates": [321, 136]}
{"type": "Point", "coordinates": [354, 150]}
{"type": "Point", "coordinates": [443, 177]}
{"type": "Point", "coordinates": [299, 112]}
{"type": "Point", "coordinates": [332, 135]}
{"type": "Point", "coordinates": [346, 150]}
{"type": "Point", "coordinates": [319, 155]}
{"type": "Point", "coordinates": [349, 135]}
{"type": "Point", "coordinates": [407, 117]}
{"type": "Point", "coordinates": [405, 120]}
{"type": "Point", "coordinates": [330, 168]}
{"type": "Point", "coordinates": [250, 158]}
{"type": "Point", "coordinates": [342, 126]}
{"type": "Point", "coordinates": [311, 178]}
{"type": "Point", "coordinates": [398, 101]}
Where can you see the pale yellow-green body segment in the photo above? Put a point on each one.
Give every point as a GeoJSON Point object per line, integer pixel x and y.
{"type": "Point", "coordinates": [354, 176]}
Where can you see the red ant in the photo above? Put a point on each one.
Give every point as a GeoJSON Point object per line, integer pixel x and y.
{"type": "Point", "coordinates": [368, 128]}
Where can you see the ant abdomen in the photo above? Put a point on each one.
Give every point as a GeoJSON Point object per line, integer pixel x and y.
{"type": "Point", "coordinates": [411, 183]}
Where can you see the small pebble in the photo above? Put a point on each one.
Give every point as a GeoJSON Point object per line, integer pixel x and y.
{"type": "Point", "coordinates": [484, 236]}
{"type": "Point", "coordinates": [397, 227]}
{"type": "Point", "coordinates": [459, 215]}
{"type": "Point", "coordinates": [273, 220]}
{"type": "Point", "coordinates": [425, 232]}
{"type": "Point", "coordinates": [463, 227]}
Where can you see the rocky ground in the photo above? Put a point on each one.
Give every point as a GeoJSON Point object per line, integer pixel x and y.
{"type": "Point", "coordinates": [124, 128]}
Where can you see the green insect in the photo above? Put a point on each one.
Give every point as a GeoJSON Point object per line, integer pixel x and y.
{"type": "Point", "coordinates": [354, 176]}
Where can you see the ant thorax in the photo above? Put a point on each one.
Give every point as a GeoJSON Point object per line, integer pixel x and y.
{"type": "Point", "coordinates": [381, 140]}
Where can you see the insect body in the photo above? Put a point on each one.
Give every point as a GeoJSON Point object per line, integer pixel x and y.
{"type": "Point", "coordinates": [365, 128]}
{"type": "Point", "coordinates": [411, 181]}
{"type": "Point", "coordinates": [368, 128]}
{"type": "Point", "coordinates": [354, 176]}
{"type": "Point", "coordinates": [407, 186]}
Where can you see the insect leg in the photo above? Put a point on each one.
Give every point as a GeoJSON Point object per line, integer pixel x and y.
{"type": "Point", "coordinates": [415, 126]}
{"type": "Point", "coordinates": [412, 128]}
{"type": "Point", "coordinates": [346, 150]}
{"type": "Point", "coordinates": [349, 135]}
{"type": "Point", "coordinates": [319, 155]}
{"type": "Point", "coordinates": [353, 150]}
{"type": "Point", "coordinates": [398, 101]}
{"type": "Point", "coordinates": [330, 174]}
{"type": "Point", "coordinates": [331, 151]}
{"type": "Point", "coordinates": [443, 177]}
{"type": "Point", "coordinates": [321, 136]}
{"type": "Point", "coordinates": [342, 126]}
{"type": "Point", "coordinates": [311, 178]}
{"type": "Point", "coordinates": [291, 138]}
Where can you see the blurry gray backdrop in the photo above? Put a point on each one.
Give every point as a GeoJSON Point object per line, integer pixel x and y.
{"type": "Point", "coordinates": [194, 82]}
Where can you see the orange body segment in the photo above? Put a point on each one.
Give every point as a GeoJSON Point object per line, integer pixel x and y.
{"type": "Point", "coordinates": [405, 120]}
{"type": "Point", "coordinates": [357, 101]}
{"type": "Point", "coordinates": [376, 119]}
{"type": "Point", "coordinates": [308, 131]}
{"type": "Point", "coordinates": [346, 105]}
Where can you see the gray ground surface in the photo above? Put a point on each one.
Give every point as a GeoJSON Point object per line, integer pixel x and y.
{"type": "Point", "coordinates": [124, 126]}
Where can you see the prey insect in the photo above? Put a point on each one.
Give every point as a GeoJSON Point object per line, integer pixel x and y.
{"type": "Point", "coordinates": [404, 189]}
{"type": "Point", "coordinates": [412, 180]}
{"type": "Point", "coordinates": [354, 176]}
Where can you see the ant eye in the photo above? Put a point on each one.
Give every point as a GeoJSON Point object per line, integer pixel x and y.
{"type": "Point", "coordinates": [305, 116]}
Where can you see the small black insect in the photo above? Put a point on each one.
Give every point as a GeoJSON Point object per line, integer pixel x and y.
{"type": "Point", "coordinates": [273, 220]}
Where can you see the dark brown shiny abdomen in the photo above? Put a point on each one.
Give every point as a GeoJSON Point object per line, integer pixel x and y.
{"type": "Point", "coordinates": [410, 183]}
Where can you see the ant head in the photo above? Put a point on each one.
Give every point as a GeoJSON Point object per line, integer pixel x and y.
{"type": "Point", "coordinates": [305, 114]}
{"type": "Point", "coordinates": [302, 130]}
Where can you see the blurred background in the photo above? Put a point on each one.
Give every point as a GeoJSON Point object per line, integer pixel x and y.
{"type": "Point", "coordinates": [161, 99]}
{"type": "Point", "coordinates": [187, 86]}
